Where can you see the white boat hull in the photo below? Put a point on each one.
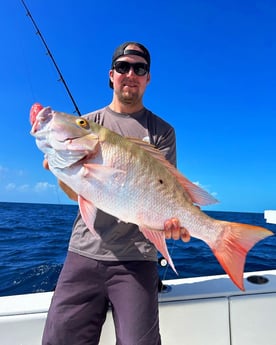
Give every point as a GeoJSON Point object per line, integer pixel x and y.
{"type": "Point", "coordinates": [198, 311]}
{"type": "Point", "coordinates": [270, 216]}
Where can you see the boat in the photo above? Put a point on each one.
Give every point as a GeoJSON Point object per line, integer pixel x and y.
{"type": "Point", "coordinates": [199, 311]}
{"type": "Point", "coordinates": [270, 216]}
{"type": "Point", "coordinates": [208, 310]}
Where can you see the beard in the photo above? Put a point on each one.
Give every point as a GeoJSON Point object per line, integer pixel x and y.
{"type": "Point", "coordinates": [128, 96]}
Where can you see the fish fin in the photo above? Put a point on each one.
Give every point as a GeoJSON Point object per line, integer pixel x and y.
{"type": "Point", "coordinates": [88, 212]}
{"type": "Point", "coordinates": [158, 239]}
{"type": "Point", "coordinates": [145, 145]}
{"type": "Point", "coordinates": [197, 194]}
{"type": "Point", "coordinates": [194, 193]}
{"type": "Point", "coordinates": [104, 173]}
{"type": "Point", "coordinates": [231, 250]}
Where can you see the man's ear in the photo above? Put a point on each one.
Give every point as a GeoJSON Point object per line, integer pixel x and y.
{"type": "Point", "coordinates": [148, 78]}
{"type": "Point", "coordinates": [111, 73]}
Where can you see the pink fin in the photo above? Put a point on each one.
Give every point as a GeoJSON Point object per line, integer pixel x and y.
{"type": "Point", "coordinates": [158, 239]}
{"type": "Point", "coordinates": [196, 194]}
{"type": "Point", "coordinates": [235, 242]}
{"type": "Point", "coordinates": [88, 212]}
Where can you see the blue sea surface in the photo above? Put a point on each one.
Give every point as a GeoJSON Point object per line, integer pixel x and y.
{"type": "Point", "coordinates": [34, 240]}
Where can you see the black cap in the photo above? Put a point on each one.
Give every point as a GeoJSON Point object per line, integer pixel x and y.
{"type": "Point", "coordinates": [122, 51]}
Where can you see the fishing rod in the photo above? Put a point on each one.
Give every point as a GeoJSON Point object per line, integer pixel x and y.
{"type": "Point", "coordinates": [51, 57]}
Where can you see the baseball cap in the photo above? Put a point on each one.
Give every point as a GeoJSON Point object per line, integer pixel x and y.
{"type": "Point", "coordinates": [122, 51]}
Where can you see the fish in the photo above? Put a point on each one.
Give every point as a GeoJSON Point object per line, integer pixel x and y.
{"type": "Point", "coordinates": [131, 180]}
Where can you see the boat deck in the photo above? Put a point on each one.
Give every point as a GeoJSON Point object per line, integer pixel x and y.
{"type": "Point", "coordinates": [198, 311]}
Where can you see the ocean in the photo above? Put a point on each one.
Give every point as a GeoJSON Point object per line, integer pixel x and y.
{"type": "Point", "coordinates": [34, 240]}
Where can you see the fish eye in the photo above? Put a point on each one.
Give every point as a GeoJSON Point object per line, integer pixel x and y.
{"type": "Point", "coordinates": [83, 123]}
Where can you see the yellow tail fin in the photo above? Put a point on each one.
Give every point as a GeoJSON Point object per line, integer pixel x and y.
{"type": "Point", "coordinates": [233, 245]}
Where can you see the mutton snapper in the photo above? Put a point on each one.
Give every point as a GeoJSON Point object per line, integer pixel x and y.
{"type": "Point", "coordinates": [132, 181]}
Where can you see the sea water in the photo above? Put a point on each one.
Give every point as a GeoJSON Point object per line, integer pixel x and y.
{"type": "Point", "coordinates": [34, 240]}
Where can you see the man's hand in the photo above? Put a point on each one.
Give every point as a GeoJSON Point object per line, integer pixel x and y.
{"type": "Point", "coordinates": [173, 230]}
{"type": "Point", "coordinates": [67, 190]}
{"type": "Point", "coordinates": [45, 164]}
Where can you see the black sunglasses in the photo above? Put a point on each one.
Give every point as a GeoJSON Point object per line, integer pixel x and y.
{"type": "Point", "coordinates": [123, 67]}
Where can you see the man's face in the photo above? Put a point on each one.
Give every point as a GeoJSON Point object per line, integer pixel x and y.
{"type": "Point", "coordinates": [129, 87]}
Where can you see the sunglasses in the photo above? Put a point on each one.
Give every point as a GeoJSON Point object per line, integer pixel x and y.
{"type": "Point", "coordinates": [123, 67]}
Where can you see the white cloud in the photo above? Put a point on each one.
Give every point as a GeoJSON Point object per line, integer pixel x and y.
{"type": "Point", "coordinates": [10, 186]}
{"type": "Point", "coordinates": [20, 172]}
{"type": "Point", "coordinates": [40, 187]}
{"type": "Point", "coordinates": [14, 172]}
{"type": "Point", "coordinates": [43, 187]}
{"type": "Point", "coordinates": [23, 188]}
{"type": "Point", "coordinates": [3, 170]}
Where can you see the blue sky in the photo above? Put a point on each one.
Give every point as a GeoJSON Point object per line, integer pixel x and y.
{"type": "Point", "coordinates": [213, 78]}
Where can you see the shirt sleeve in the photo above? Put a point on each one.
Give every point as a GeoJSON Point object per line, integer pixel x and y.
{"type": "Point", "coordinates": [166, 143]}
{"type": "Point", "coordinates": [162, 136]}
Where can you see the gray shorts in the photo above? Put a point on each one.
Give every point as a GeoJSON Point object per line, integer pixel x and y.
{"type": "Point", "coordinates": [87, 288]}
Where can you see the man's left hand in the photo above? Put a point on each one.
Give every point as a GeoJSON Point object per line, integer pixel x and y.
{"type": "Point", "coordinates": [173, 230]}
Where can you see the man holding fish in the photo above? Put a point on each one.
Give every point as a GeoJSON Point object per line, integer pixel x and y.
{"type": "Point", "coordinates": [116, 266]}
{"type": "Point", "coordinates": [128, 192]}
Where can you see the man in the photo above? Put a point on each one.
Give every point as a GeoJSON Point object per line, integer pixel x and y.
{"type": "Point", "coordinates": [118, 268]}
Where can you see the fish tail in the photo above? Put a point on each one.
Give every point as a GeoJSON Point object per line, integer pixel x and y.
{"type": "Point", "coordinates": [232, 246]}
